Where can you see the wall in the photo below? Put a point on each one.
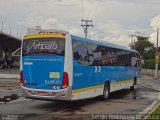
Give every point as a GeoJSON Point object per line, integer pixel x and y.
{"type": "Point", "coordinates": [149, 72]}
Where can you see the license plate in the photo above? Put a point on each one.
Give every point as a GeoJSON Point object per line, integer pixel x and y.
{"type": "Point", "coordinates": [41, 93]}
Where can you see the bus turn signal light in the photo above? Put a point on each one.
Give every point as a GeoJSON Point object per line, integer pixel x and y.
{"type": "Point", "coordinates": [21, 78]}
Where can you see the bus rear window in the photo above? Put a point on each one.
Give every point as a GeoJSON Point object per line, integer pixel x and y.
{"type": "Point", "coordinates": [44, 46]}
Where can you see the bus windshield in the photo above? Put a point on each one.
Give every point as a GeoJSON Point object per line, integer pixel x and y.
{"type": "Point", "coordinates": [44, 46]}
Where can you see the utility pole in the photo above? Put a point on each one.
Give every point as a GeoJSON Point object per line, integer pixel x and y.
{"type": "Point", "coordinates": [86, 25]}
{"type": "Point", "coordinates": [157, 57]}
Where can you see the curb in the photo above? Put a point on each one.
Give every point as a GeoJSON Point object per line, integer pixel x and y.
{"type": "Point", "coordinates": [150, 109]}
{"type": "Point", "coordinates": [155, 107]}
{"type": "Point", "coordinates": [14, 86]}
{"type": "Point", "coordinates": [17, 78]}
{"type": "Point", "coordinates": [148, 87]}
{"type": "Point", "coordinates": [9, 76]}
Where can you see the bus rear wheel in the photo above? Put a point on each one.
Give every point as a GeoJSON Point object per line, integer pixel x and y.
{"type": "Point", "coordinates": [106, 91]}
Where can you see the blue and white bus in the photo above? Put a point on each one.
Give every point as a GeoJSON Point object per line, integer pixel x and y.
{"type": "Point", "coordinates": [56, 65]}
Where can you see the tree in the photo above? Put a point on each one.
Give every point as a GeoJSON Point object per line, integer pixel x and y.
{"type": "Point", "coordinates": [144, 47]}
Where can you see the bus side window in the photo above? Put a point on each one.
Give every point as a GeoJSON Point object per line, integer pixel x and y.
{"type": "Point", "coordinates": [83, 52]}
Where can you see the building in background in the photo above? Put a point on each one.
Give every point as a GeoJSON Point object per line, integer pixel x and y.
{"type": "Point", "coordinates": [8, 44]}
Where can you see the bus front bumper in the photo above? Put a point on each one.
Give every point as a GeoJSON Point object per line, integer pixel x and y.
{"type": "Point", "coordinates": [62, 94]}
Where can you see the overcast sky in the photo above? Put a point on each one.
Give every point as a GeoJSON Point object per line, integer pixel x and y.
{"type": "Point", "coordinates": [113, 20]}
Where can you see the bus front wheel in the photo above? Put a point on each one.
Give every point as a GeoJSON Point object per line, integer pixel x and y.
{"type": "Point", "coordinates": [106, 91]}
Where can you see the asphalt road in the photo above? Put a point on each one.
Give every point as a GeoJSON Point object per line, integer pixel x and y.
{"type": "Point", "coordinates": [120, 102]}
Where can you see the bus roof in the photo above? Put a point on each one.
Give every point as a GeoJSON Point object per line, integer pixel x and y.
{"type": "Point", "coordinates": [44, 35]}
{"type": "Point", "coordinates": [102, 43]}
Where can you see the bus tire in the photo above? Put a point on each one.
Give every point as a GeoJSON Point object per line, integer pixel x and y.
{"type": "Point", "coordinates": [134, 83]}
{"type": "Point", "coordinates": [106, 91]}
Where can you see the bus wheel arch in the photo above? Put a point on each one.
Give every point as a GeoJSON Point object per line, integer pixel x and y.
{"type": "Point", "coordinates": [106, 90]}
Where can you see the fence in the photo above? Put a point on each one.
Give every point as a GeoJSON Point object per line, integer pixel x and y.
{"type": "Point", "coordinates": [150, 64]}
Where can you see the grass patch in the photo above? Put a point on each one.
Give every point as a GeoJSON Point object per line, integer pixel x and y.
{"type": "Point", "coordinates": [155, 115]}
{"type": "Point", "coordinates": [157, 111]}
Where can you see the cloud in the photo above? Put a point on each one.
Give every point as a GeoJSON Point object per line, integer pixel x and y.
{"type": "Point", "coordinates": [114, 20]}
{"type": "Point", "coordinates": [67, 5]}
{"type": "Point", "coordinates": [111, 31]}
{"type": "Point", "coordinates": [122, 40]}
{"type": "Point", "coordinates": [34, 19]}
{"type": "Point", "coordinates": [111, 27]}
{"type": "Point", "coordinates": [138, 1]}
{"type": "Point", "coordinates": [155, 23]}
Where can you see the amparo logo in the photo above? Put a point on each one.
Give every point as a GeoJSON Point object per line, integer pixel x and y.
{"type": "Point", "coordinates": [37, 45]}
